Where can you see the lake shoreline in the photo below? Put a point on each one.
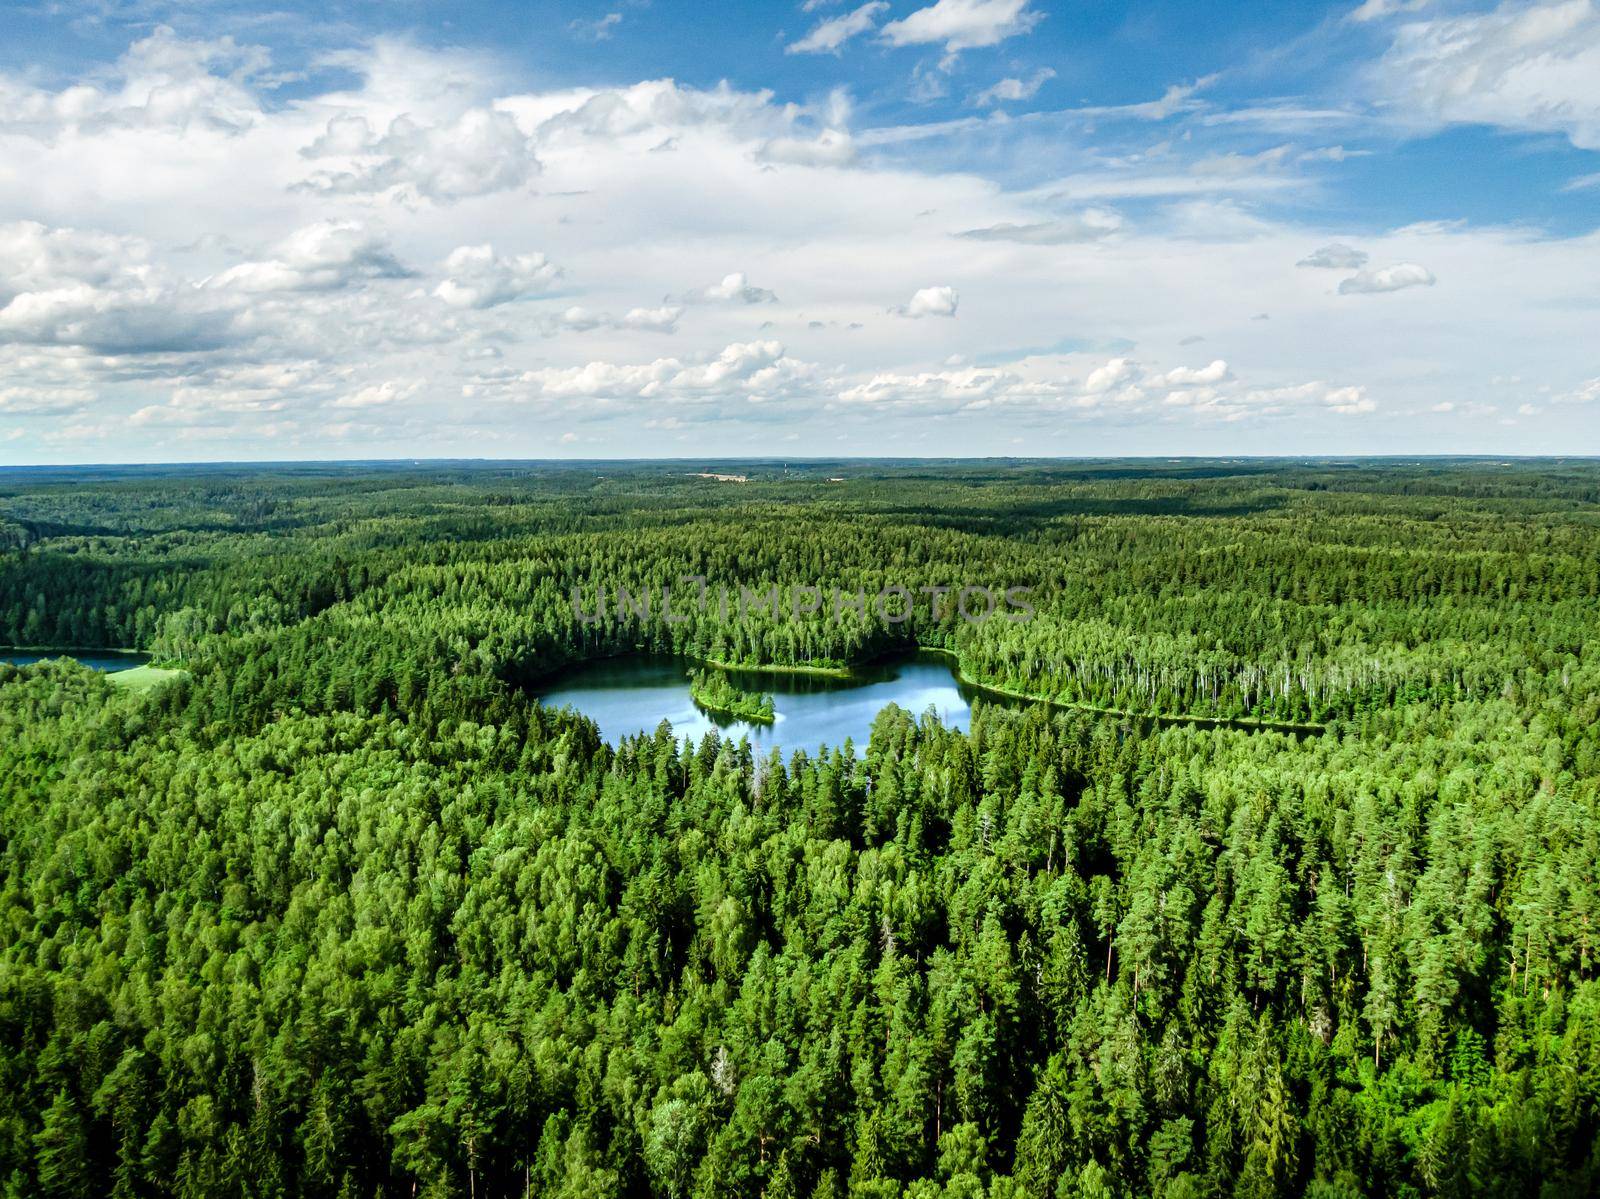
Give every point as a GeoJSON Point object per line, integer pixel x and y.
{"type": "Point", "coordinates": [859, 674]}
{"type": "Point", "coordinates": [132, 670]}
{"type": "Point", "coordinates": [1242, 723]}
{"type": "Point", "coordinates": [69, 651]}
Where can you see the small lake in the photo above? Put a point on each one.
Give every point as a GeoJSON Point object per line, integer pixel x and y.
{"type": "Point", "coordinates": [96, 659]}
{"type": "Point", "coordinates": [625, 696]}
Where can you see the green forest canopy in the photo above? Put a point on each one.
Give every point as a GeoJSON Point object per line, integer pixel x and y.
{"type": "Point", "coordinates": [340, 910]}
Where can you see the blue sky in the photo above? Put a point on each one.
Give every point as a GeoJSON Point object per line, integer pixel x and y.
{"type": "Point", "coordinates": [899, 226]}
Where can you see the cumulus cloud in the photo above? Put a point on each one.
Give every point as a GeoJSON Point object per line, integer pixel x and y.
{"type": "Point", "coordinates": [1112, 374]}
{"type": "Point", "coordinates": [963, 24]}
{"type": "Point", "coordinates": [1349, 401]}
{"type": "Point", "coordinates": [1216, 372]}
{"type": "Point", "coordinates": [324, 256]}
{"type": "Point", "coordinates": [1234, 403]}
{"type": "Point", "coordinates": [1335, 256]}
{"type": "Point", "coordinates": [930, 301]}
{"type": "Point", "coordinates": [147, 320]}
{"type": "Point", "coordinates": [1091, 224]}
{"type": "Point", "coordinates": [754, 371]}
{"type": "Point", "coordinates": [945, 390]}
{"type": "Point", "coordinates": [652, 320]}
{"type": "Point", "coordinates": [1118, 386]}
{"type": "Point", "coordinates": [1013, 89]}
{"type": "Point", "coordinates": [99, 292]}
{"type": "Point", "coordinates": [33, 255]}
{"type": "Point", "coordinates": [830, 35]}
{"type": "Point", "coordinates": [480, 152]}
{"type": "Point", "coordinates": [650, 111]}
{"type": "Point", "coordinates": [1389, 278]}
{"type": "Point", "coordinates": [163, 82]}
{"type": "Point", "coordinates": [377, 395]}
{"type": "Point", "coordinates": [578, 319]}
{"type": "Point", "coordinates": [477, 277]}
{"type": "Point", "coordinates": [112, 323]}
{"type": "Point", "coordinates": [734, 289]}
{"type": "Point", "coordinates": [55, 400]}
{"type": "Point", "coordinates": [1533, 67]}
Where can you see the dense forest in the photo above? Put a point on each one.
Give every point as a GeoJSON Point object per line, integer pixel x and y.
{"type": "Point", "coordinates": [713, 691]}
{"type": "Point", "coordinates": [1290, 888]}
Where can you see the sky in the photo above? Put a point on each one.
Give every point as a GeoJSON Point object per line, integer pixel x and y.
{"type": "Point", "coordinates": [669, 228]}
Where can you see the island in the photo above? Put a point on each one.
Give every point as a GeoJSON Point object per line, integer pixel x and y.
{"type": "Point", "coordinates": [714, 692]}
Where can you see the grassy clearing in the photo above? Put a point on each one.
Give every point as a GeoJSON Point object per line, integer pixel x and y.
{"type": "Point", "coordinates": [142, 678]}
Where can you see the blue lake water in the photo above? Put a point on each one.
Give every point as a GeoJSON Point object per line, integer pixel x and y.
{"type": "Point", "coordinates": [97, 659]}
{"type": "Point", "coordinates": [626, 696]}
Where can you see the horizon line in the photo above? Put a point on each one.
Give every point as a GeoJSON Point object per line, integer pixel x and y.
{"type": "Point", "coordinates": [771, 459]}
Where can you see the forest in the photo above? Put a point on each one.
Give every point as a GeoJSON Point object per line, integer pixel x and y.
{"type": "Point", "coordinates": [1288, 884]}
{"type": "Point", "coordinates": [712, 691]}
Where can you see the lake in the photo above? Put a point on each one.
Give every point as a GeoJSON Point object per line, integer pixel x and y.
{"type": "Point", "coordinates": [97, 659]}
{"type": "Point", "coordinates": [630, 695]}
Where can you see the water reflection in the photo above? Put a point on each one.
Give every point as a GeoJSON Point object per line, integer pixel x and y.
{"type": "Point", "coordinates": [108, 660]}
{"type": "Point", "coordinates": [625, 696]}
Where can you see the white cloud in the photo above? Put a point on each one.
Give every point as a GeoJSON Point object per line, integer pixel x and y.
{"type": "Point", "coordinates": [1178, 98]}
{"type": "Point", "coordinates": [107, 324]}
{"type": "Point", "coordinates": [33, 255]}
{"type": "Point", "coordinates": [931, 301]}
{"type": "Point", "coordinates": [1013, 89]}
{"type": "Point", "coordinates": [1032, 388]}
{"type": "Point", "coordinates": [1373, 10]}
{"type": "Point", "coordinates": [143, 321]}
{"type": "Point", "coordinates": [599, 29]}
{"type": "Point", "coordinates": [1331, 154]}
{"type": "Point", "coordinates": [735, 288]}
{"type": "Point", "coordinates": [830, 35]}
{"type": "Point", "coordinates": [1389, 278]}
{"type": "Point", "coordinates": [946, 390]}
{"type": "Point", "coordinates": [756, 371]}
{"type": "Point", "coordinates": [653, 320]}
{"type": "Point", "coordinates": [1190, 376]}
{"type": "Point", "coordinates": [66, 287]}
{"type": "Point", "coordinates": [963, 24]}
{"type": "Point", "coordinates": [377, 395]}
{"type": "Point", "coordinates": [1349, 401]}
{"type": "Point", "coordinates": [477, 277]}
{"type": "Point", "coordinates": [324, 256]}
{"type": "Point", "coordinates": [52, 401]}
{"type": "Point", "coordinates": [1530, 67]}
{"type": "Point", "coordinates": [163, 82]}
{"type": "Point", "coordinates": [830, 148]}
{"type": "Point", "coordinates": [1113, 374]}
{"type": "Point", "coordinates": [1584, 393]}
{"type": "Point", "coordinates": [652, 111]}
{"type": "Point", "coordinates": [1234, 165]}
{"type": "Point", "coordinates": [480, 152]}
{"type": "Point", "coordinates": [1335, 256]}
{"type": "Point", "coordinates": [578, 319]}
{"type": "Point", "coordinates": [1090, 224]}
